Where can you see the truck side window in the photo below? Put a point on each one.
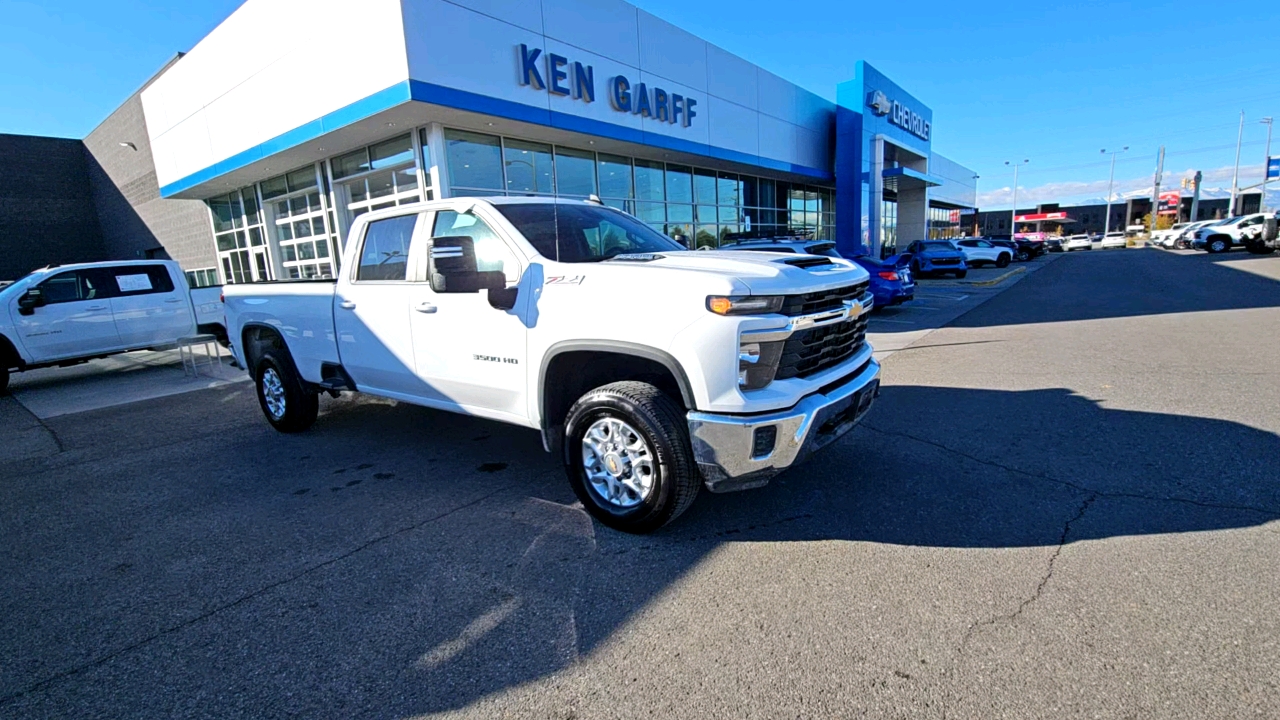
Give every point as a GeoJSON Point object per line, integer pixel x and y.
{"type": "Point", "coordinates": [141, 280]}
{"type": "Point", "coordinates": [74, 286]}
{"type": "Point", "coordinates": [491, 252]}
{"type": "Point", "coordinates": [385, 253]}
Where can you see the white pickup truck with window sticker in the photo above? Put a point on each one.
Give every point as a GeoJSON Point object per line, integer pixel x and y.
{"type": "Point", "coordinates": [651, 370]}
{"type": "Point", "coordinates": [68, 314]}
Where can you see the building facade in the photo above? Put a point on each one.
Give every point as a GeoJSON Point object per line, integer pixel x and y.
{"type": "Point", "coordinates": [1092, 218]}
{"type": "Point", "coordinates": [560, 98]}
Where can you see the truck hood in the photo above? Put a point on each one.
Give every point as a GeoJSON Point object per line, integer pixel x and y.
{"type": "Point", "coordinates": [764, 273]}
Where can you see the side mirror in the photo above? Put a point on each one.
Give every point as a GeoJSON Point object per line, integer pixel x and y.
{"type": "Point", "coordinates": [31, 300]}
{"type": "Point", "coordinates": [452, 267]}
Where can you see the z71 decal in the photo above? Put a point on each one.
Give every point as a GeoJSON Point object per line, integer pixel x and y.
{"type": "Point", "coordinates": [565, 280]}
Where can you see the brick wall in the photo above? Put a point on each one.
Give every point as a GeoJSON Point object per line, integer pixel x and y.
{"type": "Point", "coordinates": [46, 207]}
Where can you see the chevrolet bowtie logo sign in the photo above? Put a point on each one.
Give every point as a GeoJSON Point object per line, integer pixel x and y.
{"type": "Point", "coordinates": [879, 103]}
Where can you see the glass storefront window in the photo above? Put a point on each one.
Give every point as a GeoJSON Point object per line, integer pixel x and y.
{"type": "Point", "coordinates": [575, 172]}
{"type": "Point", "coordinates": [649, 180]}
{"type": "Point", "coordinates": [679, 184]}
{"type": "Point", "coordinates": [390, 153]}
{"type": "Point", "coordinates": [351, 164]}
{"type": "Point", "coordinates": [679, 200]}
{"type": "Point", "coordinates": [475, 160]}
{"type": "Point", "coordinates": [238, 236]}
{"type": "Point", "coordinates": [528, 166]}
{"type": "Point", "coordinates": [615, 176]}
{"type": "Point", "coordinates": [704, 187]}
{"type": "Point", "coordinates": [728, 189]}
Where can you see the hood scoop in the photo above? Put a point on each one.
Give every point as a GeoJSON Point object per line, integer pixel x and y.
{"type": "Point", "coordinates": [808, 262]}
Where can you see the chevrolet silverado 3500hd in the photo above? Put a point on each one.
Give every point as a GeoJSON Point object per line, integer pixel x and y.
{"type": "Point", "coordinates": [649, 369]}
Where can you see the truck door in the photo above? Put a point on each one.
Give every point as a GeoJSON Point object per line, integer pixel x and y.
{"type": "Point", "coordinates": [371, 311]}
{"type": "Point", "coordinates": [149, 308]}
{"type": "Point", "coordinates": [467, 350]}
{"type": "Point", "coordinates": [74, 321]}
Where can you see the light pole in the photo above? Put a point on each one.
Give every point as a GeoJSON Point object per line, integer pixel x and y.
{"type": "Point", "coordinates": [1013, 214]}
{"type": "Point", "coordinates": [976, 231]}
{"type": "Point", "coordinates": [1266, 160]}
{"type": "Point", "coordinates": [1235, 176]}
{"type": "Point", "coordinates": [1110, 185]}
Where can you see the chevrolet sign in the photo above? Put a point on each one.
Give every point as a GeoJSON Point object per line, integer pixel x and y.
{"type": "Point", "coordinates": [899, 114]}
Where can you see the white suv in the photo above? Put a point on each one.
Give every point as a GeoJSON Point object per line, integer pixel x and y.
{"type": "Point", "coordinates": [980, 252]}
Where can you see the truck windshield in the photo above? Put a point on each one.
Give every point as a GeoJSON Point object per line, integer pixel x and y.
{"type": "Point", "coordinates": [583, 233]}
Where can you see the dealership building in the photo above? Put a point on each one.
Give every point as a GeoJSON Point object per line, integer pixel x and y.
{"type": "Point", "coordinates": [247, 158]}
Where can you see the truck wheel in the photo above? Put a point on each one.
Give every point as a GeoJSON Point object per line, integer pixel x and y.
{"type": "Point", "coordinates": [1218, 245]}
{"type": "Point", "coordinates": [1002, 261]}
{"type": "Point", "coordinates": [628, 457]}
{"type": "Point", "coordinates": [288, 405]}
{"type": "Point", "coordinates": [1024, 255]}
{"type": "Point", "coordinates": [1258, 247]}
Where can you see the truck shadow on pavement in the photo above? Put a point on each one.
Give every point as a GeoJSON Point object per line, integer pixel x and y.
{"type": "Point", "coordinates": [440, 562]}
{"type": "Point", "coordinates": [931, 467]}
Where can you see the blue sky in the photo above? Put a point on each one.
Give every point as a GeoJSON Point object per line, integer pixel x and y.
{"type": "Point", "coordinates": [1005, 80]}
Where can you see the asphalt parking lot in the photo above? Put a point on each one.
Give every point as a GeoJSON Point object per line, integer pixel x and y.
{"type": "Point", "coordinates": [1065, 504]}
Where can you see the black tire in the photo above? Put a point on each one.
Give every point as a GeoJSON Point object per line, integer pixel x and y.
{"type": "Point", "coordinates": [4, 381]}
{"type": "Point", "coordinates": [301, 405]}
{"type": "Point", "coordinates": [1002, 260]}
{"type": "Point", "coordinates": [1023, 256]}
{"type": "Point", "coordinates": [960, 274]}
{"type": "Point", "coordinates": [661, 423]}
{"type": "Point", "coordinates": [915, 268]}
{"type": "Point", "coordinates": [1217, 245]}
{"type": "Point", "coordinates": [1257, 247]}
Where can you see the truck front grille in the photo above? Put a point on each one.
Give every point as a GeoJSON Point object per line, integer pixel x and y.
{"type": "Point", "coordinates": [815, 302]}
{"type": "Point", "coordinates": [946, 261]}
{"type": "Point", "coordinates": [809, 352]}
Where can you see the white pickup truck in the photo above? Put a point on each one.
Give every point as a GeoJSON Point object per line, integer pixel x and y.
{"type": "Point", "coordinates": [68, 314]}
{"type": "Point", "coordinates": [650, 370]}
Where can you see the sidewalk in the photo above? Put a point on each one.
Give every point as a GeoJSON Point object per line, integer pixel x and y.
{"type": "Point", "coordinates": [116, 380]}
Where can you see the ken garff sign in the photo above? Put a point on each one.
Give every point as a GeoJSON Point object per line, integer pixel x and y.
{"type": "Point", "coordinates": [899, 114]}
{"type": "Point", "coordinates": [558, 76]}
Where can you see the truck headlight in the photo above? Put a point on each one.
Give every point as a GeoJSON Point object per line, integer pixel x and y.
{"type": "Point", "coordinates": [758, 363]}
{"type": "Point", "coordinates": [744, 304]}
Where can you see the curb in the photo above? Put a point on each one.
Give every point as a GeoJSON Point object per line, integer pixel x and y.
{"type": "Point", "coordinates": [996, 280]}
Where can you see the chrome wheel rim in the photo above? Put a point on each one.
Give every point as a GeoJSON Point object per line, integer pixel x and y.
{"type": "Point", "coordinates": [273, 393]}
{"type": "Point", "coordinates": [618, 462]}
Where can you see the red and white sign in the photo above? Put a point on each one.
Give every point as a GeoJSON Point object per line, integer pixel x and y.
{"type": "Point", "coordinates": [1169, 202]}
{"type": "Point", "coordinates": [955, 217]}
{"type": "Point", "coordinates": [1037, 217]}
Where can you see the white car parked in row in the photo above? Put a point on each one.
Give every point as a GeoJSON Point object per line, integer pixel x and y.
{"type": "Point", "coordinates": [1077, 242]}
{"type": "Point", "coordinates": [1113, 240]}
{"type": "Point", "coordinates": [980, 252]}
{"type": "Point", "coordinates": [68, 314]}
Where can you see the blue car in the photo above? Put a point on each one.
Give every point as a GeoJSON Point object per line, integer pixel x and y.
{"type": "Point", "coordinates": [891, 279]}
{"type": "Point", "coordinates": [937, 256]}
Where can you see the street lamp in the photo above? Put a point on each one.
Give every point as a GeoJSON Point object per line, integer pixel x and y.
{"type": "Point", "coordinates": [1013, 214]}
{"type": "Point", "coordinates": [1266, 166]}
{"type": "Point", "coordinates": [976, 231]}
{"type": "Point", "coordinates": [1110, 185]}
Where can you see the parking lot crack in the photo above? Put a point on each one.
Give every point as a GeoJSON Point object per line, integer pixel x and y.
{"type": "Point", "coordinates": [96, 662]}
{"type": "Point", "coordinates": [1273, 512]}
{"type": "Point", "coordinates": [1035, 595]}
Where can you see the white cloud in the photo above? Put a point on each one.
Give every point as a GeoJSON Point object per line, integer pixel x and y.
{"type": "Point", "coordinates": [1078, 192]}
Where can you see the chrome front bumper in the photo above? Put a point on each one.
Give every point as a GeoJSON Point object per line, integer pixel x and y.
{"type": "Point", "coordinates": [724, 445]}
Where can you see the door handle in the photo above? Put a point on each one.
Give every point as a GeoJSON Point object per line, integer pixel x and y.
{"type": "Point", "coordinates": [426, 307]}
{"type": "Point", "coordinates": [347, 305]}
{"type": "Point", "coordinates": [96, 307]}
{"type": "Point", "coordinates": [174, 300]}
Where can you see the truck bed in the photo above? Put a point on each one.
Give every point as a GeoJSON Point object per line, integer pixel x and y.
{"type": "Point", "coordinates": [301, 310]}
